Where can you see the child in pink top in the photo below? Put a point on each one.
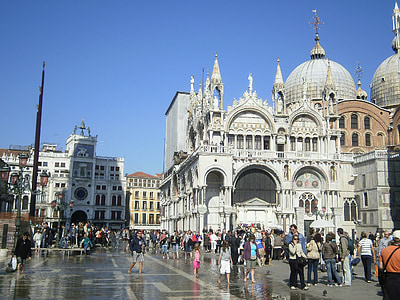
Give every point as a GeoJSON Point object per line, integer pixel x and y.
{"type": "Point", "coordinates": [196, 259]}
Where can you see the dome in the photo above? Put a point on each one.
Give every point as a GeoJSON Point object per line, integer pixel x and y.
{"type": "Point", "coordinates": [315, 72]}
{"type": "Point", "coordinates": [385, 87]}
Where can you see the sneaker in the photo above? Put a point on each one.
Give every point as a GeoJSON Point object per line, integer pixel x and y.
{"type": "Point", "coordinates": [315, 284]}
{"type": "Point", "coordinates": [338, 284]}
{"type": "Point", "coordinates": [292, 287]}
{"type": "Point", "coordinates": [329, 285]}
{"type": "Point", "coordinates": [308, 284]}
{"type": "Point", "coordinates": [305, 288]}
{"type": "Point", "coordinates": [369, 281]}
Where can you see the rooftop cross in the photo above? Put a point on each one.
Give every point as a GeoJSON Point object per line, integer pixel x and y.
{"type": "Point", "coordinates": [316, 23]}
{"type": "Point", "coordinates": [359, 70]}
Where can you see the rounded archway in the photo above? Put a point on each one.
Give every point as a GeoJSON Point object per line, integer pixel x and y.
{"type": "Point", "coordinates": [255, 183]}
{"type": "Point", "coordinates": [215, 181]}
{"type": "Point", "coordinates": [79, 216]}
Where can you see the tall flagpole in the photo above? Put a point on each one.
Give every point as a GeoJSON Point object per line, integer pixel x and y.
{"type": "Point", "coordinates": [32, 207]}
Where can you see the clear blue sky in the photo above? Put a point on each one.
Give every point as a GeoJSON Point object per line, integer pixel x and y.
{"type": "Point", "coordinates": [118, 64]}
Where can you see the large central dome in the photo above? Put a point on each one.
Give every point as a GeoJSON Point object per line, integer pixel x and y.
{"type": "Point", "coordinates": [314, 72]}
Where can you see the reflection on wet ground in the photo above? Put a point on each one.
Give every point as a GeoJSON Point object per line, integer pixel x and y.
{"type": "Point", "coordinates": [103, 275]}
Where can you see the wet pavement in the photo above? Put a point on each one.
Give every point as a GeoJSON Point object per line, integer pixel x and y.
{"type": "Point", "coordinates": [104, 275]}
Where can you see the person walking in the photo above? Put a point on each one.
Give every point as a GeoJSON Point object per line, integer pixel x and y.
{"type": "Point", "coordinates": [175, 242]}
{"type": "Point", "coordinates": [136, 247]}
{"type": "Point", "coordinates": [296, 250]}
{"type": "Point", "coordinates": [85, 243]}
{"type": "Point", "coordinates": [250, 255]}
{"type": "Point", "coordinates": [329, 253]}
{"type": "Point", "coordinates": [314, 248]}
{"type": "Point", "coordinates": [367, 252]}
{"type": "Point", "coordinates": [344, 256]}
{"type": "Point", "coordinates": [37, 239]}
{"type": "Point", "coordinates": [383, 242]}
{"type": "Point", "coordinates": [23, 251]}
{"type": "Point", "coordinates": [196, 258]}
{"type": "Point", "coordinates": [225, 261]}
{"type": "Point", "coordinates": [390, 262]}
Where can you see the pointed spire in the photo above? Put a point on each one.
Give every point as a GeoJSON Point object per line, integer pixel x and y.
{"type": "Point", "coordinates": [191, 84]}
{"type": "Point", "coordinates": [278, 77]}
{"type": "Point", "coordinates": [316, 23]}
{"type": "Point", "coordinates": [216, 74]}
{"type": "Point", "coordinates": [329, 80]}
{"type": "Point", "coordinates": [83, 124]}
{"type": "Point", "coordinates": [396, 28]}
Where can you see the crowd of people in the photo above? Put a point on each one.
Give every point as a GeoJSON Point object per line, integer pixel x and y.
{"type": "Point", "coordinates": [334, 253]}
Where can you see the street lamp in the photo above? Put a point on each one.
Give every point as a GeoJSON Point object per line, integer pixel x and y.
{"type": "Point", "coordinates": [59, 206]}
{"type": "Point", "coordinates": [18, 185]}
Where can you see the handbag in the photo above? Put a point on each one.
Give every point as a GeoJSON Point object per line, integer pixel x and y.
{"type": "Point", "coordinates": [301, 261]}
{"type": "Point", "coordinates": [382, 273]}
{"type": "Point", "coordinates": [12, 265]}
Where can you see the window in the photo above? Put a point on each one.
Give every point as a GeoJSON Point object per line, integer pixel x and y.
{"type": "Point", "coordinates": [63, 185]}
{"type": "Point", "coordinates": [136, 219]}
{"type": "Point", "coordinates": [137, 194]}
{"type": "Point", "coordinates": [307, 144]}
{"type": "Point", "coordinates": [365, 199]}
{"type": "Point", "coordinates": [266, 143]}
{"type": "Point", "coordinates": [342, 139]}
{"type": "Point", "coordinates": [98, 187]}
{"type": "Point", "coordinates": [119, 187]}
{"type": "Point", "coordinates": [145, 195]}
{"type": "Point", "coordinates": [151, 195]}
{"type": "Point", "coordinates": [354, 139]}
{"type": "Point", "coordinates": [117, 169]}
{"type": "Point", "coordinates": [103, 200]}
{"type": "Point", "coordinates": [354, 121]}
{"type": "Point", "coordinates": [97, 199]}
{"type": "Point", "coordinates": [158, 205]}
{"type": "Point", "coordinates": [102, 168]}
{"type": "Point", "coordinates": [62, 165]}
{"type": "Point", "coordinates": [103, 187]}
{"type": "Point", "coordinates": [137, 205]}
{"type": "Point", "coordinates": [314, 145]}
{"type": "Point", "coordinates": [341, 122]}
{"type": "Point", "coordinates": [56, 164]}
{"type": "Point", "coordinates": [151, 205]}
{"type": "Point", "coordinates": [114, 200]}
{"type": "Point", "coordinates": [257, 142]}
{"type": "Point", "coordinates": [151, 219]}
{"type": "Point", "coordinates": [367, 123]}
{"type": "Point", "coordinates": [144, 205]}
{"type": "Point", "coordinates": [144, 218]}
{"type": "Point", "coordinates": [45, 164]}
{"type": "Point", "coordinates": [240, 141]}
{"type": "Point", "coordinates": [292, 144]}
{"type": "Point", "coordinates": [367, 139]}
{"type": "Point", "coordinates": [112, 169]}
{"type": "Point", "coordinates": [114, 187]}
{"type": "Point", "coordinates": [119, 200]}
{"type": "Point", "coordinates": [25, 201]}
{"type": "Point", "coordinates": [249, 142]}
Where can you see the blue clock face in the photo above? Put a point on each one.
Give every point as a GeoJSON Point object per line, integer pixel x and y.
{"type": "Point", "coordinates": [80, 193]}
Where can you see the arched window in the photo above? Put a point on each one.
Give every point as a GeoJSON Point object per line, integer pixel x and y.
{"type": "Point", "coordinates": [343, 139]}
{"type": "Point", "coordinates": [257, 142]}
{"type": "Point", "coordinates": [367, 123]}
{"type": "Point", "coordinates": [354, 121]}
{"type": "Point", "coordinates": [353, 210]}
{"type": "Point", "coordinates": [300, 144]}
{"type": "Point", "coordinates": [114, 200]}
{"type": "Point", "coordinates": [240, 141]}
{"type": "Point", "coordinates": [249, 142]}
{"type": "Point", "coordinates": [103, 200]}
{"type": "Point", "coordinates": [347, 211]}
{"type": "Point", "coordinates": [301, 203]}
{"type": "Point", "coordinates": [119, 201]}
{"type": "Point", "coordinates": [307, 206]}
{"type": "Point", "coordinates": [292, 144]}
{"type": "Point", "coordinates": [341, 122]}
{"type": "Point", "coordinates": [97, 199]}
{"type": "Point", "coordinates": [314, 205]}
{"type": "Point", "coordinates": [25, 201]}
{"type": "Point", "coordinates": [367, 139]}
{"type": "Point", "coordinates": [315, 144]}
{"type": "Point", "coordinates": [307, 144]}
{"type": "Point", "coordinates": [354, 139]}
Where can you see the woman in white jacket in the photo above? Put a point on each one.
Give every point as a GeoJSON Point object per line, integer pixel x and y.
{"type": "Point", "coordinates": [314, 248]}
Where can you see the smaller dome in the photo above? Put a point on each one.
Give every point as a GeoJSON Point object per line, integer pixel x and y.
{"type": "Point", "coordinates": [385, 86]}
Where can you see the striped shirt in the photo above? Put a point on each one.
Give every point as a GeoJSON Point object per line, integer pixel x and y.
{"type": "Point", "coordinates": [365, 245]}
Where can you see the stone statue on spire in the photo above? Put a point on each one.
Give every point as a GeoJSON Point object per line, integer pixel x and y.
{"type": "Point", "coordinates": [250, 78]}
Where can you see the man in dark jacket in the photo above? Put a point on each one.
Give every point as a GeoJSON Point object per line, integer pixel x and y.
{"type": "Point", "coordinates": [23, 251]}
{"type": "Point", "coordinates": [136, 247]}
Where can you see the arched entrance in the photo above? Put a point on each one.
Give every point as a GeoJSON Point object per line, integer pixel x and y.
{"type": "Point", "coordinates": [215, 181]}
{"type": "Point", "coordinates": [78, 216]}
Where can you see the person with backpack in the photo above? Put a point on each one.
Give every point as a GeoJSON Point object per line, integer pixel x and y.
{"type": "Point", "coordinates": [313, 249]}
{"type": "Point", "coordinates": [329, 253]}
{"type": "Point", "coordinates": [390, 266]}
{"type": "Point", "coordinates": [367, 252]}
{"type": "Point", "coordinates": [344, 256]}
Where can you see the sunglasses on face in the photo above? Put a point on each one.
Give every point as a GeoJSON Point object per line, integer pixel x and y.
{"type": "Point", "coordinates": [296, 239]}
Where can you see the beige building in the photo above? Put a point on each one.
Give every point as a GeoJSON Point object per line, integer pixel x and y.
{"type": "Point", "coordinates": [143, 192]}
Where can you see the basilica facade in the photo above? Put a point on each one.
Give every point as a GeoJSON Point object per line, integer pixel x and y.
{"type": "Point", "coordinates": [320, 150]}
